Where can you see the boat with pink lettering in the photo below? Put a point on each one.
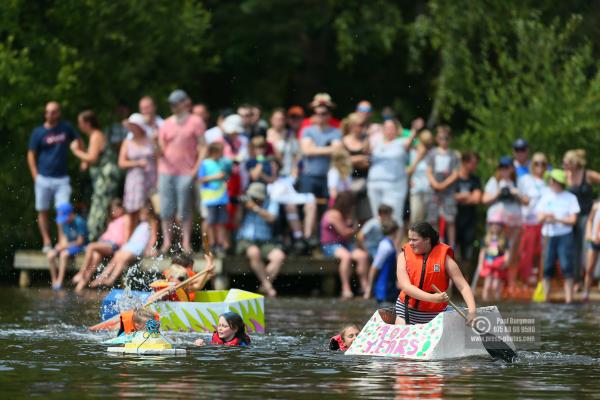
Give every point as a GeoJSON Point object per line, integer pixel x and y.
{"type": "Point", "coordinates": [444, 337]}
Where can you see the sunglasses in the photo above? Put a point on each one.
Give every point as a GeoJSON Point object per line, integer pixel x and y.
{"type": "Point", "coordinates": [540, 163]}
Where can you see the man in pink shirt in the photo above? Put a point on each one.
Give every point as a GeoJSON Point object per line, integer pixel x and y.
{"type": "Point", "coordinates": [182, 147]}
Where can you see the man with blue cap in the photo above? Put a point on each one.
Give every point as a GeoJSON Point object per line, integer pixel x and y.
{"type": "Point", "coordinates": [521, 157]}
{"type": "Point", "coordinates": [72, 242]}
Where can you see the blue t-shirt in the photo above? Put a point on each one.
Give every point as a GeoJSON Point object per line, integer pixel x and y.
{"type": "Point", "coordinates": [266, 167]}
{"type": "Point", "coordinates": [75, 228]}
{"type": "Point", "coordinates": [52, 147]}
{"type": "Point", "coordinates": [319, 165]}
{"type": "Point", "coordinates": [214, 193]}
{"type": "Point", "coordinates": [384, 287]}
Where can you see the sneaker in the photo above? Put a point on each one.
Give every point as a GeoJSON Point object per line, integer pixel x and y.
{"type": "Point", "coordinates": [47, 249]}
{"type": "Point", "coordinates": [56, 287]}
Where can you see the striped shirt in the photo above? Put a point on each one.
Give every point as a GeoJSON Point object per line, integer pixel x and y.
{"type": "Point", "coordinates": [415, 317]}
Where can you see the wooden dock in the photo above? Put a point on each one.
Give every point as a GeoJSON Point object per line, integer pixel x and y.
{"type": "Point", "coordinates": [226, 268]}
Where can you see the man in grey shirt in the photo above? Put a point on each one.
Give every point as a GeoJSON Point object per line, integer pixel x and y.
{"type": "Point", "coordinates": [318, 142]}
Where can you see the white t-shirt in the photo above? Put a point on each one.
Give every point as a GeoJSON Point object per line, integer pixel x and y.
{"type": "Point", "coordinates": [533, 188]}
{"type": "Point", "coordinates": [561, 205]}
{"type": "Point", "coordinates": [335, 181]}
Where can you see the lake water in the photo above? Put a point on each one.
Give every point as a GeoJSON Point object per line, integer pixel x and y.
{"type": "Point", "coordinates": [46, 351]}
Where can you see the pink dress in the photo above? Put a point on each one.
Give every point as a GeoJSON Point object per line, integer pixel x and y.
{"type": "Point", "coordinates": [139, 181]}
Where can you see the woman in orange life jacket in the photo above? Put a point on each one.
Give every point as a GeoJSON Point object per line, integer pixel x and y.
{"type": "Point", "coordinates": [425, 262]}
{"type": "Point", "coordinates": [231, 331]}
{"type": "Point", "coordinates": [135, 320]}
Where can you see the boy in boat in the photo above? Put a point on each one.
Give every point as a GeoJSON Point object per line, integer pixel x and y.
{"type": "Point", "coordinates": [343, 340]}
{"type": "Point", "coordinates": [135, 320]}
{"type": "Point", "coordinates": [73, 234]}
{"type": "Point", "coordinates": [182, 268]}
{"type": "Point", "coordinates": [231, 331]}
{"type": "Point", "coordinates": [382, 275]}
{"type": "Point", "coordinates": [423, 263]}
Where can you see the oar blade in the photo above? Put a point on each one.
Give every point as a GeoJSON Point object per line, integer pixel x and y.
{"type": "Point", "coordinates": [108, 325]}
{"type": "Point", "coordinates": [497, 348]}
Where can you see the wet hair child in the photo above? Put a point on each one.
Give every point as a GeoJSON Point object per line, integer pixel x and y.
{"type": "Point", "coordinates": [343, 340]}
{"type": "Point", "coordinates": [493, 258]}
{"type": "Point", "coordinates": [135, 320]}
{"type": "Point", "coordinates": [231, 331]}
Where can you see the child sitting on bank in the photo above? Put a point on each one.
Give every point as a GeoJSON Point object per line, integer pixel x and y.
{"type": "Point", "coordinates": [72, 241]}
{"type": "Point", "coordinates": [110, 241]}
{"type": "Point", "coordinates": [493, 258]}
{"type": "Point", "coordinates": [339, 176]}
{"type": "Point", "coordinates": [382, 275]}
{"type": "Point", "coordinates": [231, 331]}
{"type": "Point", "coordinates": [213, 174]}
{"type": "Point", "coordinates": [371, 233]}
{"type": "Point", "coordinates": [343, 340]}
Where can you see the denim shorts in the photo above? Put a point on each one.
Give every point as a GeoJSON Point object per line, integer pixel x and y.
{"type": "Point", "coordinates": [560, 248]}
{"type": "Point", "coordinates": [217, 214]}
{"type": "Point", "coordinates": [329, 249]}
{"type": "Point", "coordinates": [73, 250]}
{"type": "Point", "coordinates": [48, 188]}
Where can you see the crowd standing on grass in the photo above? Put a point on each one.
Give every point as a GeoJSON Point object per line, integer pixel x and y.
{"type": "Point", "coordinates": [306, 183]}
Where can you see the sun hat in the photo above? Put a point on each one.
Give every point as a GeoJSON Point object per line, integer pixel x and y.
{"type": "Point", "coordinates": [177, 96]}
{"type": "Point", "coordinates": [233, 124]}
{"type": "Point", "coordinates": [257, 190]}
{"type": "Point", "coordinates": [322, 100]}
{"type": "Point", "coordinates": [63, 211]}
{"type": "Point", "coordinates": [137, 119]}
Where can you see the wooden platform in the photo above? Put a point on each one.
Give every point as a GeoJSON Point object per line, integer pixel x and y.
{"type": "Point", "coordinates": [325, 269]}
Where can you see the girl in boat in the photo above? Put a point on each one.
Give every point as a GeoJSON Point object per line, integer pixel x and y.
{"type": "Point", "coordinates": [231, 331]}
{"type": "Point", "coordinates": [423, 263]}
{"type": "Point", "coordinates": [343, 340]}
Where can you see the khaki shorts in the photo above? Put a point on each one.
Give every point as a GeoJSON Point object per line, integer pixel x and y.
{"type": "Point", "coordinates": [265, 247]}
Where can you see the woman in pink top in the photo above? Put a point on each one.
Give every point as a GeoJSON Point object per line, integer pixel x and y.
{"type": "Point", "coordinates": [336, 234]}
{"type": "Point", "coordinates": [182, 146]}
{"type": "Point", "coordinates": [110, 241]}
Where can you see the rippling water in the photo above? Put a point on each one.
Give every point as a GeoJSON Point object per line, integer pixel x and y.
{"type": "Point", "coordinates": [46, 351]}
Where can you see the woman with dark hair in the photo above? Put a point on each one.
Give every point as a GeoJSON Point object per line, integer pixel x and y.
{"type": "Point", "coordinates": [423, 263]}
{"type": "Point", "coordinates": [231, 331]}
{"type": "Point", "coordinates": [336, 232]}
{"type": "Point", "coordinates": [104, 172]}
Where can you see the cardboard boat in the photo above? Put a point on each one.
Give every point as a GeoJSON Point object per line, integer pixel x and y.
{"type": "Point", "coordinates": [444, 337]}
{"type": "Point", "coordinates": [144, 343]}
{"type": "Point", "coordinates": [200, 315]}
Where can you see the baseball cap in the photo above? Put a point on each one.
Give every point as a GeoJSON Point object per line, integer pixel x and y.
{"type": "Point", "coordinates": [505, 161]}
{"type": "Point", "coordinates": [177, 96]}
{"type": "Point", "coordinates": [559, 176]}
{"type": "Point", "coordinates": [520, 144]}
{"type": "Point", "coordinates": [233, 124]}
{"type": "Point", "coordinates": [295, 111]}
{"type": "Point", "coordinates": [257, 190]}
{"type": "Point", "coordinates": [138, 119]}
{"type": "Point", "coordinates": [62, 213]}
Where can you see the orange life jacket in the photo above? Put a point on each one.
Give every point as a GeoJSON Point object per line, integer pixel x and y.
{"type": "Point", "coordinates": [425, 270]}
{"type": "Point", "coordinates": [127, 325]}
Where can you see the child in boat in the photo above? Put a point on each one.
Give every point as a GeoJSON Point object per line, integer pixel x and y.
{"type": "Point", "coordinates": [72, 241]}
{"type": "Point", "coordinates": [110, 241]}
{"type": "Point", "coordinates": [343, 340]}
{"type": "Point", "coordinates": [135, 320]}
{"type": "Point", "coordinates": [231, 331]}
{"type": "Point", "coordinates": [383, 284]}
{"type": "Point", "coordinates": [182, 268]}
{"type": "Point", "coordinates": [493, 257]}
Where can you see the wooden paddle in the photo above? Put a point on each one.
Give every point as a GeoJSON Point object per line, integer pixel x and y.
{"type": "Point", "coordinates": [493, 344]}
{"type": "Point", "coordinates": [111, 322]}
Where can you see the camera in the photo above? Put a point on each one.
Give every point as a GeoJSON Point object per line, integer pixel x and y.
{"type": "Point", "coordinates": [505, 194]}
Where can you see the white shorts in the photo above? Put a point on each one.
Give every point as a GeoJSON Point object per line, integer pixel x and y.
{"type": "Point", "coordinates": [48, 188]}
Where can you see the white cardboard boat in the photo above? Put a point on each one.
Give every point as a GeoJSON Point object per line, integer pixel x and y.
{"type": "Point", "coordinates": [444, 337]}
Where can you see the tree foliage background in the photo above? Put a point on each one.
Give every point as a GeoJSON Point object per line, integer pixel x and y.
{"type": "Point", "coordinates": [493, 69]}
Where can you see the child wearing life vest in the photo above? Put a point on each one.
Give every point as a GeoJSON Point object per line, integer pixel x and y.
{"type": "Point", "coordinates": [135, 320]}
{"type": "Point", "coordinates": [493, 257]}
{"type": "Point", "coordinates": [343, 340]}
{"type": "Point", "coordinates": [182, 268]}
{"type": "Point", "coordinates": [231, 331]}
{"type": "Point", "coordinates": [383, 284]}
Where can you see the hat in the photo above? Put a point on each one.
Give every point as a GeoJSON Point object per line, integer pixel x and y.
{"type": "Point", "coordinates": [520, 144]}
{"type": "Point", "coordinates": [177, 96]}
{"type": "Point", "coordinates": [257, 190]}
{"type": "Point", "coordinates": [323, 100]}
{"type": "Point", "coordinates": [63, 211]}
{"type": "Point", "coordinates": [295, 111]}
{"type": "Point", "coordinates": [233, 124]}
{"type": "Point", "coordinates": [496, 218]}
{"type": "Point", "coordinates": [137, 119]}
{"type": "Point", "coordinates": [505, 161]}
{"type": "Point", "coordinates": [559, 176]}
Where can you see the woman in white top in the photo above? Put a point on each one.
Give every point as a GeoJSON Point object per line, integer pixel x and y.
{"type": "Point", "coordinates": [388, 177]}
{"type": "Point", "coordinates": [420, 189]}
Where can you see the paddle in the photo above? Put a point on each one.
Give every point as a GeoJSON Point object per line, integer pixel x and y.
{"type": "Point", "coordinates": [111, 322]}
{"type": "Point", "coordinates": [493, 344]}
